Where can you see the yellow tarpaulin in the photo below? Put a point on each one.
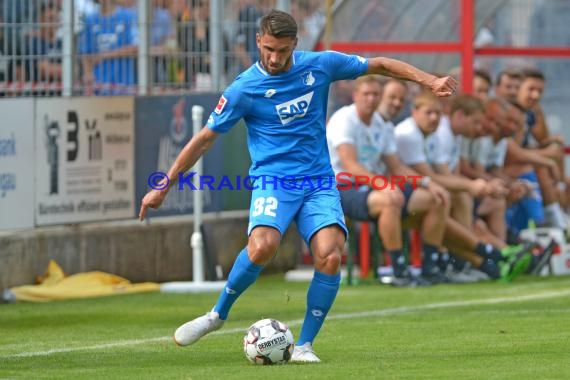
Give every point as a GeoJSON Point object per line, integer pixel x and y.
{"type": "Point", "coordinates": [55, 285]}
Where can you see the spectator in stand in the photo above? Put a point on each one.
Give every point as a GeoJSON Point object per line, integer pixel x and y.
{"type": "Point", "coordinates": [81, 9]}
{"type": "Point", "coordinates": [194, 40]}
{"type": "Point", "coordinates": [162, 26]}
{"type": "Point", "coordinates": [17, 16]}
{"type": "Point", "coordinates": [162, 36]}
{"type": "Point", "coordinates": [361, 143]}
{"type": "Point", "coordinates": [108, 48]}
{"type": "Point", "coordinates": [181, 12]}
{"type": "Point", "coordinates": [245, 46]}
{"type": "Point", "coordinates": [162, 40]}
{"type": "Point", "coordinates": [45, 51]}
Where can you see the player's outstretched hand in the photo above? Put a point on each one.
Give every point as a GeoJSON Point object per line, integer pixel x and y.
{"type": "Point", "coordinates": [152, 199]}
{"type": "Point", "coordinates": [444, 86]}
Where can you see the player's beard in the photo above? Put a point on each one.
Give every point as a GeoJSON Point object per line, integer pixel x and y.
{"type": "Point", "coordinates": [278, 69]}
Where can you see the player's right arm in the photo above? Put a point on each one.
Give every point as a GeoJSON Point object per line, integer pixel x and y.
{"type": "Point", "coordinates": [194, 149]}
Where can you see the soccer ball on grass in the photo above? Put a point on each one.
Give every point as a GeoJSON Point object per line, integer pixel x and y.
{"type": "Point", "coordinates": [268, 341]}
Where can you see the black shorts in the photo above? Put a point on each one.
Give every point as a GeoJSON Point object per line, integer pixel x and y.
{"type": "Point", "coordinates": [355, 205]}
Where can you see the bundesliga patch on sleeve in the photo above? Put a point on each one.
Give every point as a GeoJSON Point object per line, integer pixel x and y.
{"type": "Point", "coordinates": [221, 104]}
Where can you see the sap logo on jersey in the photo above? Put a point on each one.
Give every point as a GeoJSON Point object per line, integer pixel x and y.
{"type": "Point", "coordinates": [295, 108]}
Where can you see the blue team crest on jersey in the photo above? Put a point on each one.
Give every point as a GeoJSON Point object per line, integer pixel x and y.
{"type": "Point", "coordinates": [308, 78]}
{"type": "Point", "coordinates": [294, 109]}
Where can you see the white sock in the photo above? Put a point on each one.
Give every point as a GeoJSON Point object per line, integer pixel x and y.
{"type": "Point", "coordinates": [554, 214]}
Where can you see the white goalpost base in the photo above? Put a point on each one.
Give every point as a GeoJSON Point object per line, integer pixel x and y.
{"type": "Point", "coordinates": [192, 287]}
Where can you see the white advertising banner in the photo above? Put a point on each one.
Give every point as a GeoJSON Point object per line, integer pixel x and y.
{"type": "Point", "coordinates": [84, 160]}
{"type": "Point", "coordinates": [16, 163]}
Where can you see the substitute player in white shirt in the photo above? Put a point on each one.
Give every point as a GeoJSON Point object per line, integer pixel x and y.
{"type": "Point", "coordinates": [361, 143]}
{"type": "Point", "coordinates": [436, 154]}
{"type": "Point", "coordinates": [485, 156]}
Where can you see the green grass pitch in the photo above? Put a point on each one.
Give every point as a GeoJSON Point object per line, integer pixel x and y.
{"type": "Point", "coordinates": [477, 331]}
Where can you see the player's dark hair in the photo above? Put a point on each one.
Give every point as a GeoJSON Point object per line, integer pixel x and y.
{"type": "Point", "coordinates": [469, 104]}
{"type": "Point", "coordinates": [484, 75]}
{"type": "Point", "coordinates": [278, 24]}
{"type": "Point", "coordinates": [511, 73]}
{"type": "Point", "coordinates": [533, 73]}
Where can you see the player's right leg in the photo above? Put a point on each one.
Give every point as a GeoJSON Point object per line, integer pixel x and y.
{"type": "Point", "coordinates": [261, 247]}
{"type": "Point", "coordinates": [271, 212]}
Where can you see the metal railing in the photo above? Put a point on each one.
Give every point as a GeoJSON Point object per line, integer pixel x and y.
{"type": "Point", "coordinates": [116, 47]}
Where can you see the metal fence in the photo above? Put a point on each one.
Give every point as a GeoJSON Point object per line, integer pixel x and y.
{"type": "Point", "coordinates": [117, 47]}
{"type": "Point", "coordinates": [108, 47]}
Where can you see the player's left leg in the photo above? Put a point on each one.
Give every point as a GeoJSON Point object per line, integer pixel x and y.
{"type": "Point", "coordinates": [492, 211]}
{"type": "Point", "coordinates": [321, 223]}
{"type": "Point", "coordinates": [552, 210]}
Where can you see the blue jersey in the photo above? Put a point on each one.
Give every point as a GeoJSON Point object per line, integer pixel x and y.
{"type": "Point", "coordinates": [285, 114]}
{"type": "Point", "coordinates": [106, 33]}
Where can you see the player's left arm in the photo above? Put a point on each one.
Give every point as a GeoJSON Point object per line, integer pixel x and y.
{"type": "Point", "coordinates": [540, 131]}
{"type": "Point", "coordinates": [444, 86]}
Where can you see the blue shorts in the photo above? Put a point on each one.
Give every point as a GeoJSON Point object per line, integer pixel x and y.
{"type": "Point", "coordinates": [528, 208]}
{"type": "Point", "coordinates": [312, 208]}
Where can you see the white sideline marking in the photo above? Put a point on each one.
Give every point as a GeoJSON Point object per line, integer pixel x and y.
{"type": "Point", "coordinates": [362, 314]}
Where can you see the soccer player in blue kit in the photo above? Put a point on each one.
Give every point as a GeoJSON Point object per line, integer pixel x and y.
{"type": "Point", "coordinates": [283, 99]}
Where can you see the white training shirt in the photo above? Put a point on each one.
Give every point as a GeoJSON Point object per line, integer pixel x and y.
{"type": "Point", "coordinates": [440, 147]}
{"type": "Point", "coordinates": [468, 150]}
{"type": "Point", "coordinates": [490, 154]}
{"type": "Point", "coordinates": [370, 141]}
{"type": "Point", "coordinates": [447, 144]}
{"type": "Point", "coordinates": [413, 146]}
